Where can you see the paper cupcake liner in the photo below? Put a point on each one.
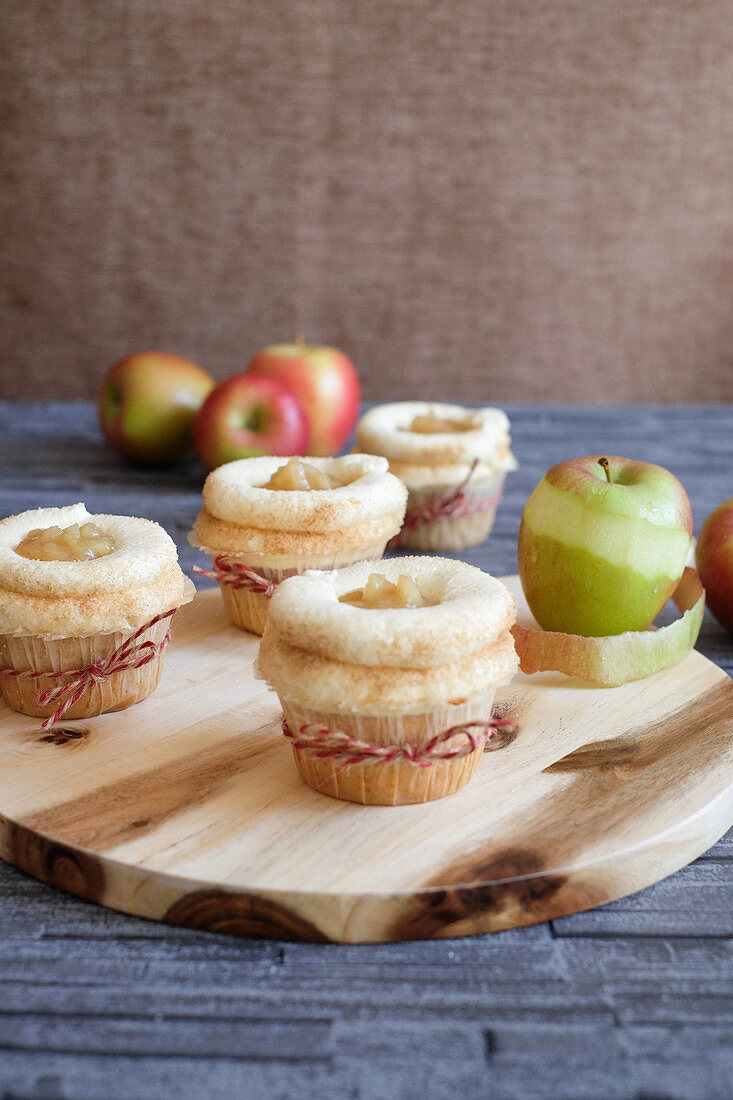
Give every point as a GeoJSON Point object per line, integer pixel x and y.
{"type": "Point", "coordinates": [248, 610]}
{"type": "Point", "coordinates": [35, 653]}
{"type": "Point", "coordinates": [397, 782]}
{"type": "Point", "coordinates": [453, 532]}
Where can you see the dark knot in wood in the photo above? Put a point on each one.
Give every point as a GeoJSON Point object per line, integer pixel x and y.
{"type": "Point", "coordinates": [242, 915]}
{"type": "Point", "coordinates": [60, 735]}
{"type": "Point", "coordinates": [511, 888]}
{"type": "Point", "coordinates": [58, 865]}
{"type": "Point", "coordinates": [500, 737]}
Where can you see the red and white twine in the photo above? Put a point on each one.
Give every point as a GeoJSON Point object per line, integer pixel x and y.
{"type": "Point", "coordinates": [456, 504]}
{"type": "Point", "coordinates": [130, 654]}
{"type": "Point", "coordinates": [326, 743]}
{"type": "Point", "coordinates": [237, 575]}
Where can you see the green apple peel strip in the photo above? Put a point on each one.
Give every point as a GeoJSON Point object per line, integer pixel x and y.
{"type": "Point", "coordinates": [619, 658]}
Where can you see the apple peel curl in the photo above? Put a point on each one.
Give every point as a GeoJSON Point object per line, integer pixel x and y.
{"type": "Point", "coordinates": [619, 658]}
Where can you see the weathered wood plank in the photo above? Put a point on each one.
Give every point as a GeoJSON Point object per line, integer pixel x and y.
{"type": "Point", "coordinates": [652, 959]}
{"type": "Point", "coordinates": [618, 1062]}
{"type": "Point", "coordinates": [257, 997]}
{"type": "Point", "coordinates": [257, 1040]}
{"type": "Point", "coordinates": [56, 1076]}
{"type": "Point", "coordinates": [164, 964]}
{"type": "Point", "coordinates": [697, 901]}
{"type": "Point", "coordinates": [517, 1062]}
{"type": "Point", "coordinates": [540, 978]}
{"type": "Point", "coordinates": [673, 1002]}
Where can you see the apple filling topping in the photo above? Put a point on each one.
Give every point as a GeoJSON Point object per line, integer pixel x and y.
{"type": "Point", "coordinates": [378, 592]}
{"type": "Point", "coordinates": [297, 474]}
{"type": "Point", "coordinates": [429, 424]}
{"type": "Point", "coordinates": [74, 543]}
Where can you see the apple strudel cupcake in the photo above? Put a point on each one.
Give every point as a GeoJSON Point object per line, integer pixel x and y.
{"type": "Point", "coordinates": [453, 461]}
{"type": "Point", "coordinates": [387, 673]}
{"type": "Point", "coordinates": [265, 519]}
{"type": "Point", "coordinates": [86, 603]}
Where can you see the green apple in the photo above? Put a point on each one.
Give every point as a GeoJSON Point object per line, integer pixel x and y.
{"type": "Point", "coordinates": [617, 658]}
{"type": "Point", "coordinates": [602, 545]}
{"type": "Point", "coordinates": [147, 404]}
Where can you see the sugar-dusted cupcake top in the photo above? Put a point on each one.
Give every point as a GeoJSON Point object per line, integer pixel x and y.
{"type": "Point", "coordinates": [361, 489]}
{"type": "Point", "coordinates": [461, 609]}
{"type": "Point", "coordinates": [450, 641]}
{"type": "Point", "coordinates": [435, 434]}
{"type": "Point", "coordinates": [131, 575]}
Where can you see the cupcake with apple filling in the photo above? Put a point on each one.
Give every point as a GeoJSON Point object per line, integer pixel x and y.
{"type": "Point", "coordinates": [453, 461]}
{"type": "Point", "coordinates": [86, 603]}
{"type": "Point", "coordinates": [265, 519]}
{"type": "Point", "coordinates": [387, 672]}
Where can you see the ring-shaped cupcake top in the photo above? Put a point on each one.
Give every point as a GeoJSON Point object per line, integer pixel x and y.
{"type": "Point", "coordinates": [235, 493]}
{"type": "Point", "coordinates": [386, 430]}
{"type": "Point", "coordinates": [467, 611]}
{"type": "Point", "coordinates": [138, 579]}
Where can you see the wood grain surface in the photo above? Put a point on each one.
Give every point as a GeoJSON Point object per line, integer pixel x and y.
{"type": "Point", "coordinates": [632, 1000]}
{"type": "Point", "coordinates": [187, 808]}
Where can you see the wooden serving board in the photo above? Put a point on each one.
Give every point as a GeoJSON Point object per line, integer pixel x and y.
{"type": "Point", "coordinates": [187, 807]}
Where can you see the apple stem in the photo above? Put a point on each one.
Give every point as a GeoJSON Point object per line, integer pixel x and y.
{"type": "Point", "coordinates": [299, 340]}
{"type": "Point", "coordinates": [603, 462]}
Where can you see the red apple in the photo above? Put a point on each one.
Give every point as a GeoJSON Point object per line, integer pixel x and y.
{"type": "Point", "coordinates": [326, 383]}
{"type": "Point", "coordinates": [247, 416]}
{"type": "Point", "coordinates": [714, 558]}
{"type": "Point", "coordinates": [147, 404]}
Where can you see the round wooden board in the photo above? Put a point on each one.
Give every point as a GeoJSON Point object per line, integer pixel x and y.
{"type": "Point", "coordinates": [187, 808]}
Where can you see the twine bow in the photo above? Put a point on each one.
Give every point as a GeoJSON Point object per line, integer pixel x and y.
{"type": "Point", "coordinates": [237, 575]}
{"type": "Point", "coordinates": [326, 743]}
{"type": "Point", "coordinates": [452, 506]}
{"type": "Point", "coordinates": [129, 655]}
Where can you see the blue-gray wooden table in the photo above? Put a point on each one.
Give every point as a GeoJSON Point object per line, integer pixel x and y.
{"type": "Point", "coordinates": [631, 1000]}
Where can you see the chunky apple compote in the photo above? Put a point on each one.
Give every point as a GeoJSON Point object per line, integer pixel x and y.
{"type": "Point", "coordinates": [429, 424]}
{"type": "Point", "coordinates": [378, 592]}
{"type": "Point", "coordinates": [74, 543]}
{"type": "Point", "coordinates": [297, 474]}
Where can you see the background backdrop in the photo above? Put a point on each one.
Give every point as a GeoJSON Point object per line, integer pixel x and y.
{"type": "Point", "coordinates": [483, 199]}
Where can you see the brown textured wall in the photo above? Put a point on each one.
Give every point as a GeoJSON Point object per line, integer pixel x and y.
{"type": "Point", "coordinates": [488, 199]}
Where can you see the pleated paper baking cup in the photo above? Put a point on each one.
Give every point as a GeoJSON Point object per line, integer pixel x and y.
{"type": "Point", "coordinates": [394, 782]}
{"type": "Point", "coordinates": [470, 525]}
{"type": "Point", "coordinates": [248, 608]}
{"type": "Point", "coordinates": [34, 653]}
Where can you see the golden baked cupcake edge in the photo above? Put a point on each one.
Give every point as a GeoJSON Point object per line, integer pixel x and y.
{"type": "Point", "coordinates": [394, 680]}
{"type": "Point", "coordinates": [106, 619]}
{"type": "Point", "coordinates": [453, 461]}
{"type": "Point", "coordinates": [257, 536]}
